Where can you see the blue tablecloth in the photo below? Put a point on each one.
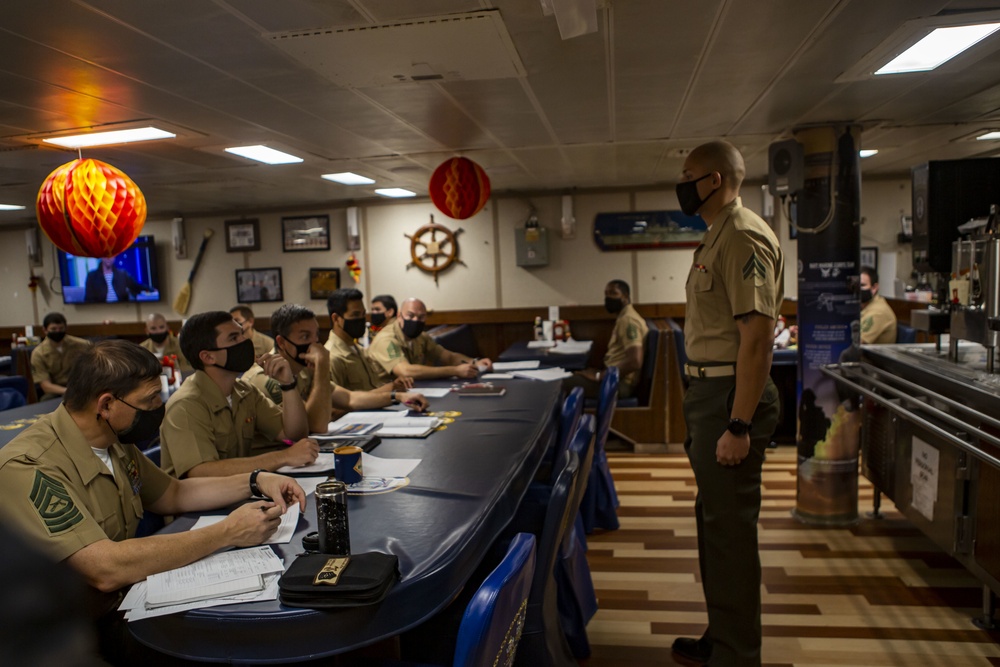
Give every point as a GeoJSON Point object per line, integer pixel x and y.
{"type": "Point", "coordinates": [464, 492]}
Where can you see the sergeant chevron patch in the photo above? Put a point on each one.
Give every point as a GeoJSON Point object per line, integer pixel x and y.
{"type": "Point", "coordinates": [755, 267]}
{"type": "Point", "coordinates": [54, 504]}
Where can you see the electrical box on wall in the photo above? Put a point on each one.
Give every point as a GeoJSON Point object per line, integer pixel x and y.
{"type": "Point", "coordinates": [532, 246]}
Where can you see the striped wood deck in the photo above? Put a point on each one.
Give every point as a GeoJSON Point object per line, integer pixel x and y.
{"type": "Point", "coordinates": [879, 593]}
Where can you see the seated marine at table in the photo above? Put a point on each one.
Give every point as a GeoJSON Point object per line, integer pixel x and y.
{"type": "Point", "coordinates": [405, 350]}
{"type": "Point", "coordinates": [625, 349]}
{"type": "Point", "coordinates": [212, 421]}
{"type": "Point", "coordinates": [262, 343]}
{"type": "Point", "coordinates": [162, 341]}
{"type": "Point", "coordinates": [350, 366]}
{"type": "Point", "coordinates": [878, 322]}
{"type": "Point", "coordinates": [75, 485]}
{"type": "Point", "coordinates": [383, 312]}
{"type": "Point", "coordinates": [297, 342]}
{"type": "Point", "coordinates": [53, 359]}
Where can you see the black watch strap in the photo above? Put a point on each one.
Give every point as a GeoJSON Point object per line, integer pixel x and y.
{"type": "Point", "coordinates": [287, 387]}
{"type": "Point", "coordinates": [255, 491]}
{"type": "Point", "coordinates": [392, 397]}
{"type": "Point", "coordinates": [739, 427]}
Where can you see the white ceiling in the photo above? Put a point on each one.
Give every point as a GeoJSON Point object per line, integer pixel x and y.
{"type": "Point", "coordinates": [615, 108]}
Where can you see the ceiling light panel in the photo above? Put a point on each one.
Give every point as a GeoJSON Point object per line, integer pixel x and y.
{"type": "Point", "coordinates": [937, 48]}
{"type": "Point", "coordinates": [349, 178]}
{"type": "Point", "coordinates": [395, 193]}
{"type": "Point", "coordinates": [264, 154]}
{"type": "Point", "coordinates": [91, 139]}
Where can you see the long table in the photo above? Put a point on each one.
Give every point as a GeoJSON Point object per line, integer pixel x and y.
{"type": "Point", "coordinates": [520, 351]}
{"type": "Point", "coordinates": [466, 489]}
{"type": "Point", "coordinates": [13, 422]}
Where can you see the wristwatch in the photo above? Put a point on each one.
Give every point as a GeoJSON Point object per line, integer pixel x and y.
{"type": "Point", "coordinates": [255, 491]}
{"type": "Point", "coordinates": [287, 387]}
{"type": "Point", "coordinates": [392, 397]}
{"type": "Point", "coordinates": [739, 427]}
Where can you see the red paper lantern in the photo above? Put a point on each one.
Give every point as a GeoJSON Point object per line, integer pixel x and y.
{"type": "Point", "coordinates": [459, 188]}
{"type": "Point", "coordinates": [90, 209]}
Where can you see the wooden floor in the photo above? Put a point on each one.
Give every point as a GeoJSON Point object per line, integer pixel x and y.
{"type": "Point", "coordinates": [879, 593]}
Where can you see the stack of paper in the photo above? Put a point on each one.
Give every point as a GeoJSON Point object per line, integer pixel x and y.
{"type": "Point", "coordinates": [540, 344]}
{"type": "Point", "coordinates": [507, 366]}
{"type": "Point", "coordinates": [289, 522]}
{"type": "Point", "coordinates": [394, 424]}
{"type": "Point", "coordinates": [234, 576]}
{"type": "Point", "coordinates": [432, 392]}
{"type": "Point", "coordinates": [572, 347]}
{"type": "Point", "coordinates": [544, 374]}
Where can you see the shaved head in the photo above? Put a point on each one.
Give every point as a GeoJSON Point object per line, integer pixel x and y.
{"type": "Point", "coordinates": [723, 157]}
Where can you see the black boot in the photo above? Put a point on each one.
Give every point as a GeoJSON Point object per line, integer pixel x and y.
{"type": "Point", "coordinates": [695, 650]}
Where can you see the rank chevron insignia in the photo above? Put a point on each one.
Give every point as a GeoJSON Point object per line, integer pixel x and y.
{"type": "Point", "coordinates": [54, 504]}
{"type": "Point", "coordinates": [754, 267]}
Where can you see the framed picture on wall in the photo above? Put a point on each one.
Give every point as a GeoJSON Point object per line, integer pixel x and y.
{"type": "Point", "coordinates": [256, 285]}
{"type": "Point", "coordinates": [242, 235]}
{"type": "Point", "coordinates": [323, 283]}
{"type": "Point", "coordinates": [869, 257]}
{"type": "Point", "coordinates": [304, 233]}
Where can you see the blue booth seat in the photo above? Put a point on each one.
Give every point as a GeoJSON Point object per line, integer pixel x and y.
{"type": "Point", "coordinates": [600, 502]}
{"type": "Point", "coordinates": [643, 387]}
{"type": "Point", "coordinates": [456, 338]}
{"type": "Point", "coordinates": [18, 383]}
{"type": "Point", "coordinates": [906, 334]}
{"type": "Point", "coordinates": [11, 398]}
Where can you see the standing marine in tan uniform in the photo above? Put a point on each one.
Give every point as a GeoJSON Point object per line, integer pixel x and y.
{"type": "Point", "coordinates": [625, 348]}
{"type": "Point", "coordinates": [53, 359]}
{"type": "Point", "coordinates": [734, 294]}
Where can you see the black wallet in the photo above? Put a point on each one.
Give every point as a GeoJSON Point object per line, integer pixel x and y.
{"type": "Point", "coordinates": [366, 580]}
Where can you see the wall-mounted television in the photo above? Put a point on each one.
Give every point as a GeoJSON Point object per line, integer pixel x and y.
{"type": "Point", "coordinates": [128, 277]}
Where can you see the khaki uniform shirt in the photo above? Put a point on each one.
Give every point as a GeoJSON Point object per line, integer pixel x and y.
{"type": "Point", "coordinates": [350, 366]}
{"type": "Point", "coordinates": [171, 345]}
{"type": "Point", "coordinates": [391, 346]}
{"type": "Point", "coordinates": [630, 330]}
{"type": "Point", "coordinates": [738, 268]}
{"type": "Point", "coordinates": [262, 343]}
{"type": "Point", "coordinates": [58, 493]}
{"type": "Point", "coordinates": [878, 322]}
{"type": "Point", "coordinates": [51, 363]}
{"type": "Point", "coordinates": [258, 378]}
{"type": "Point", "coordinates": [200, 425]}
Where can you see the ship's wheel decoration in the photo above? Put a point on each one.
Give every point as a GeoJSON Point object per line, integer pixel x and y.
{"type": "Point", "coordinates": [434, 248]}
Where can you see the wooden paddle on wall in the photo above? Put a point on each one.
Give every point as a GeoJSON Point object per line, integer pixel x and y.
{"type": "Point", "coordinates": [183, 300]}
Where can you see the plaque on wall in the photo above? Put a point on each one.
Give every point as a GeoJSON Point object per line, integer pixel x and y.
{"type": "Point", "coordinates": [643, 230]}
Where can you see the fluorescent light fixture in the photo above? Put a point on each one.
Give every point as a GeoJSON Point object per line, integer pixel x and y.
{"type": "Point", "coordinates": [11, 207]}
{"type": "Point", "coordinates": [107, 138]}
{"type": "Point", "coordinates": [264, 154]}
{"type": "Point", "coordinates": [867, 152]}
{"type": "Point", "coordinates": [937, 48]}
{"type": "Point", "coordinates": [994, 135]}
{"type": "Point", "coordinates": [349, 178]}
{"type": "Point", "coordinates": [394, 192]}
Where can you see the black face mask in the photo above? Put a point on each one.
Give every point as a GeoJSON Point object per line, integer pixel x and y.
{"type": "Point", "coordinates": [299, 351]}
{"type": "Point", "coordinates": [55, 336]}
{"type": "Point", "coordinates": [378, 319]}
{"type": "Point", "coordinates": [145, 425]}
{"type": "Point", "coordinates": [866, 295]}
{"type": "Point", "coordinates": [239, 357]}
{"type": "Point", "coordinates": [688, 197]}
{"type": "Point", "coordinates": [355, 328]}
{"type": "Point", "coordinates": [413, 328]}
{"type": "Point", "coordinates": [613, 305]}
{"type": "Point", "coordinates": [158, 338]}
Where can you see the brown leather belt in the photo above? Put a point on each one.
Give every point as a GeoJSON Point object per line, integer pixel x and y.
{"type": "Point", "coordinates": [725, 370]}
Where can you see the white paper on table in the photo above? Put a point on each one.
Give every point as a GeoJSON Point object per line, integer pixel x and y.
{"type": "Point", "coordinates": [497, 376]}
{"type": "Point", "coordinates": [572, 347]}
{"type": "Point", "coordinates": [135, 609]}
{"type": "Point", "coordinates": [217, 568]}
{"type": "Point", "coordinates": [369, 417]}
{"type": "Point", "coordinates": [433, 392]}
{"type": "Point", "coordinates": [544, 374]}
{"type": "Point", "coordinates": [412, 427]}
{"type": "Point", "coordinates": [515, 365]}
{"type": "Point", "coordinates": [323, 463]}
{"type": "Point", "coordinates": [540, 344]}
{"type": "Point", "coordinates": [284, 534]}
{"type": "Point", "coordinates": [375, 466]}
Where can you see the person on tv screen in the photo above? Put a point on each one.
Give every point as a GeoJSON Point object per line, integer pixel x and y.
{"type": "Point", "coordinates": [107, 284]}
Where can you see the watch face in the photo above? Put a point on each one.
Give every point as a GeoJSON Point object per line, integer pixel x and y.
{"type": "Point", "coordinates": [737, 427]}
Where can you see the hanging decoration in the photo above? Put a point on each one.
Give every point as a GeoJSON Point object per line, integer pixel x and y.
{"type": "Point", "coordinates": [459, 188]}
{"type": "Point", "coordinates": [433, 248]}
{"type": "Point", "coordinates": [354, 267]}
{"type": "Point", "coordinates": [90, 209]}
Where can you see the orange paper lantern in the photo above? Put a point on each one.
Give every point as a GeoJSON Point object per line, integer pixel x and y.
{"type": "Point", "coordinates": [90, 209]}
{"type": "Point", "coordinates": [459, 188]}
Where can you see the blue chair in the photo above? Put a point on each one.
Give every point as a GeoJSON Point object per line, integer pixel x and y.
{"type": "Point", "coordinates": [569, 421]}
{"type": "Point", "coordinates": [600, 502]}
{"type": "Point", "coordinates": [150, 522]}
{"type": "Point", "coordinates": [577, 599]}
{"type": "Point", "coordinates": [16, 382]}
{"type": "Point", "coordinates": [543, 643]}
{"type": "Point", "coordinates": [644, 383]}
{"type": "Point", "coordinates": [11, 398]}
{"type": "Point", "coordinates": [906, 334]}
{"type": "Point", "coordinates": [492, 625]}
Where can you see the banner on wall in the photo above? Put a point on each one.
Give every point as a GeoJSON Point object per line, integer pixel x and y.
{"type": "Point", "coordinates": [828, 320]}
